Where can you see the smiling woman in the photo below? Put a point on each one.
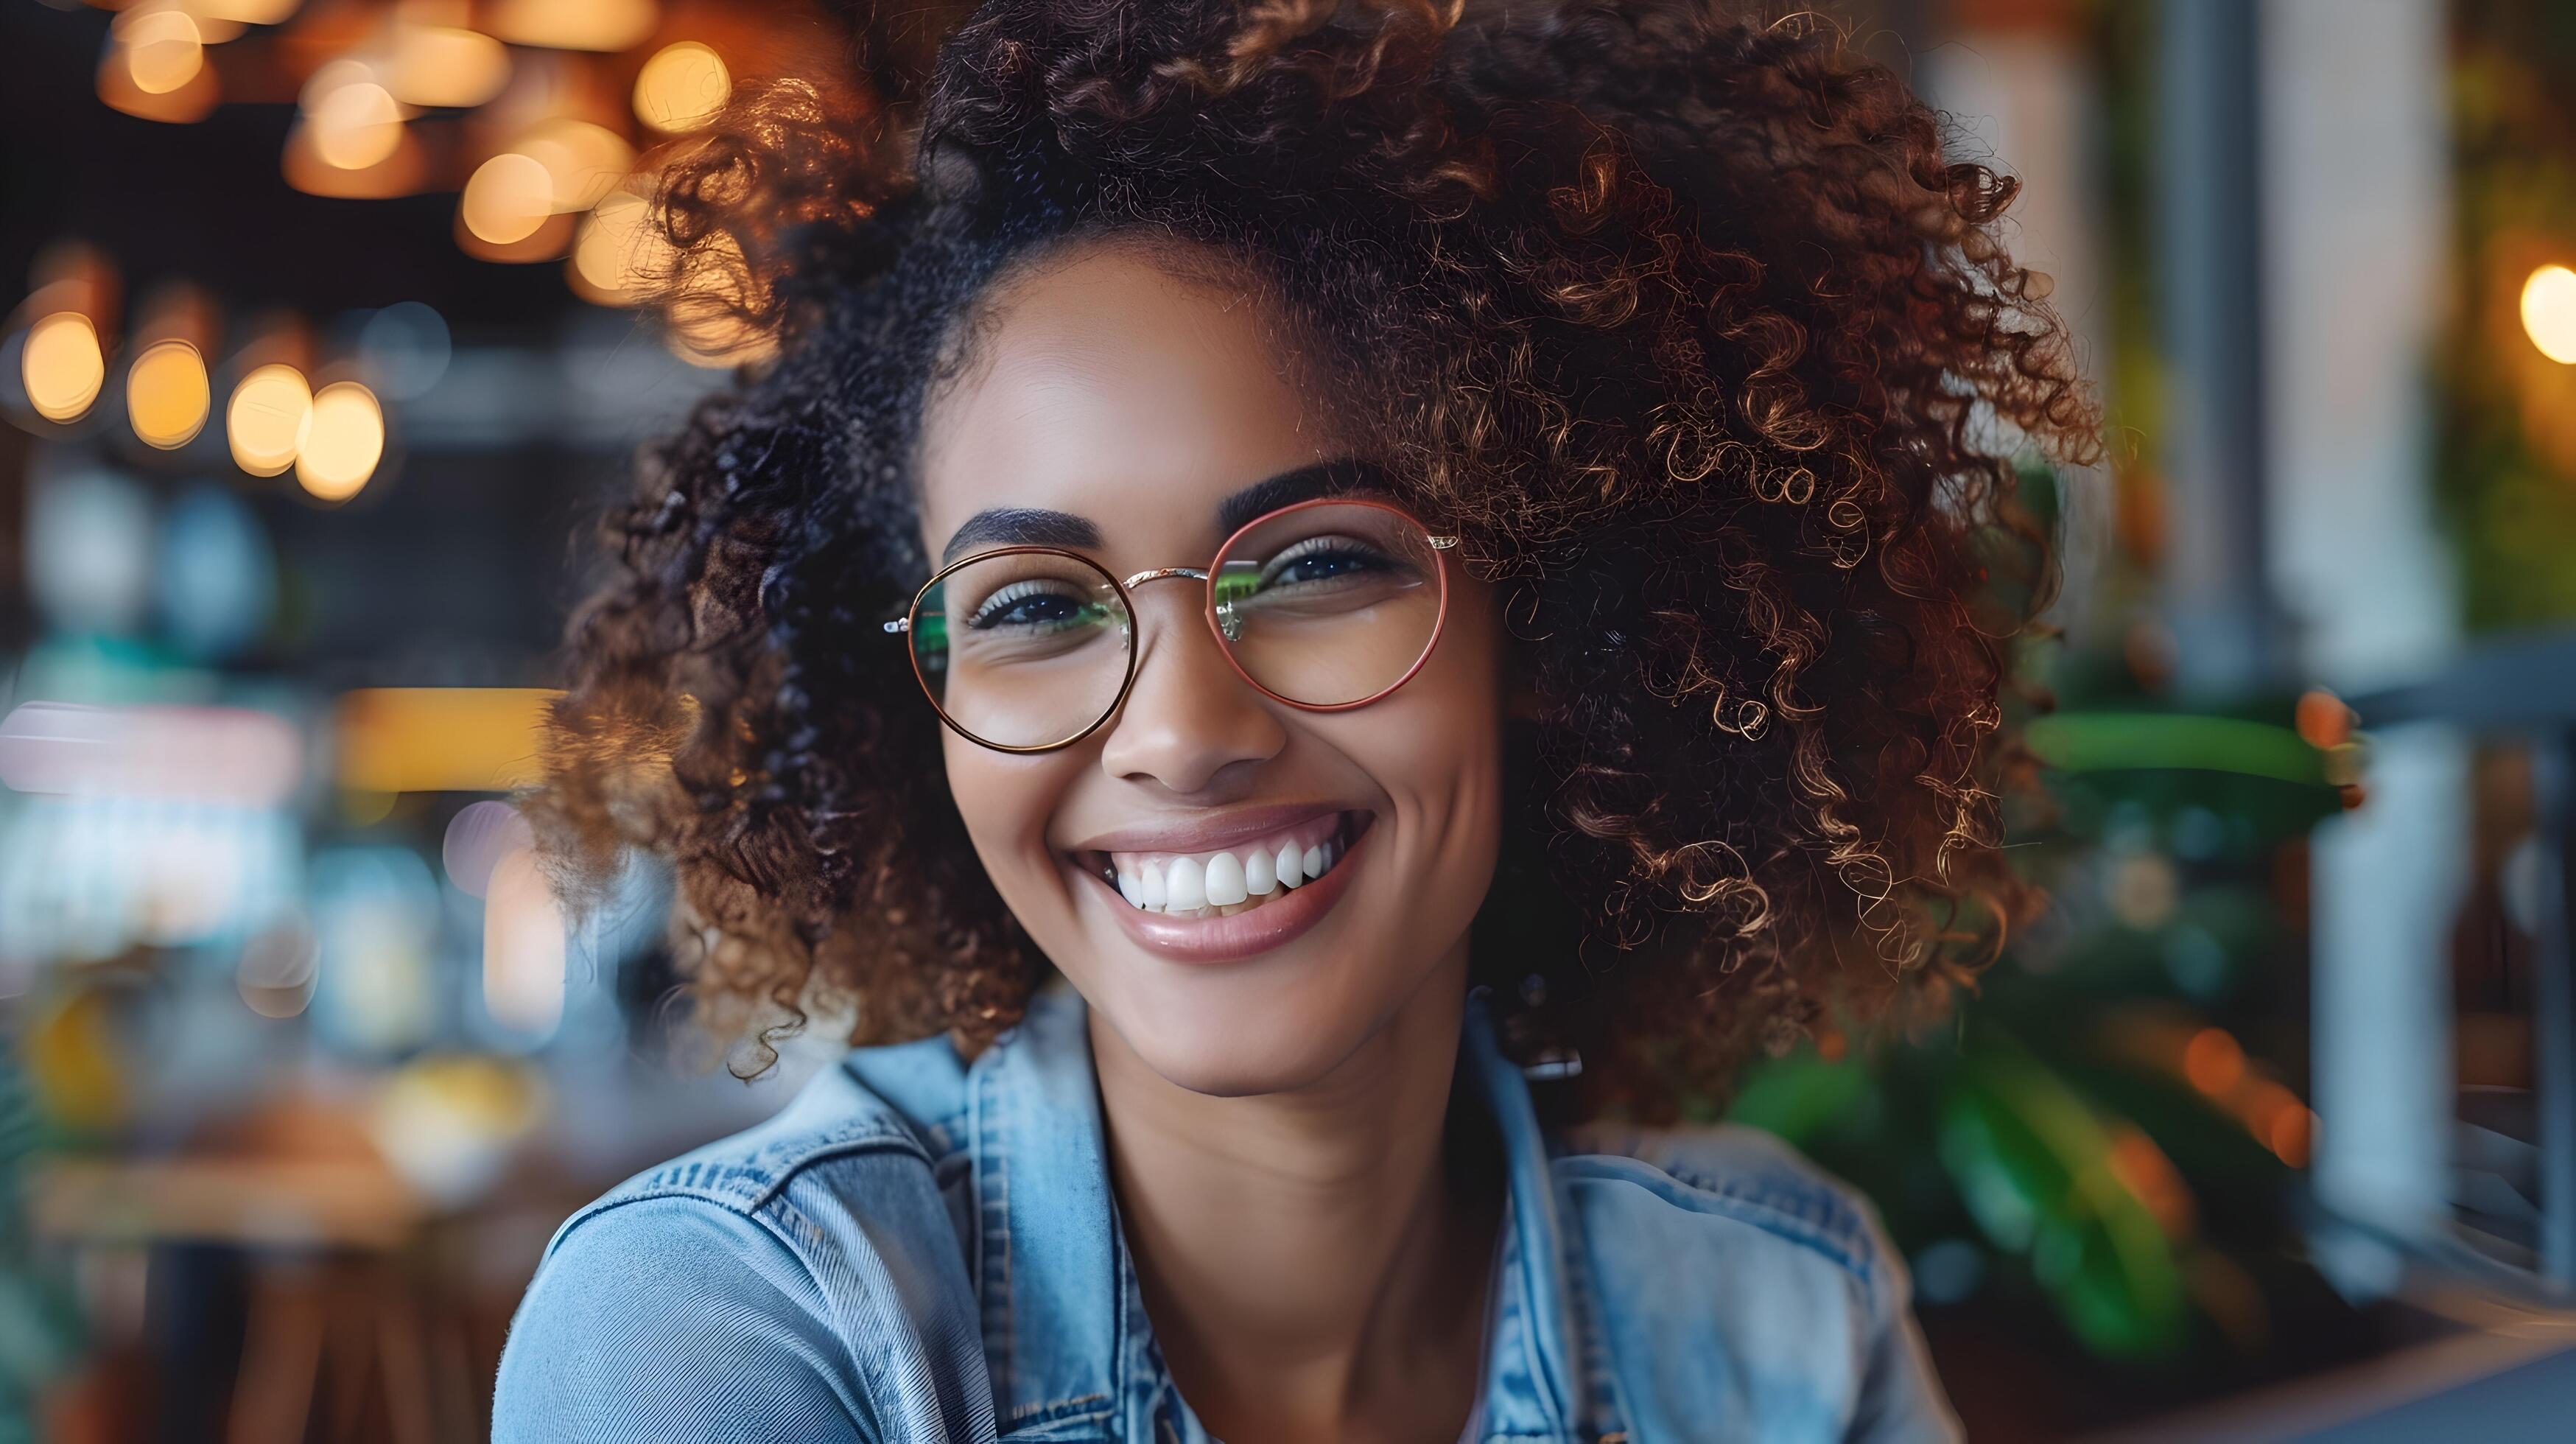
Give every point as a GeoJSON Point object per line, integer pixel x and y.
{"type": "Point", "coordinates": [1428, 541]}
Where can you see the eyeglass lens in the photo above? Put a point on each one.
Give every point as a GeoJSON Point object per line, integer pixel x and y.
{"type": "Point", "coordinates": [1322, 606]}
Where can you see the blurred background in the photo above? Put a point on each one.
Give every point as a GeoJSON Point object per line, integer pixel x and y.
{"type": "Point", "coordinates": [316, 367]}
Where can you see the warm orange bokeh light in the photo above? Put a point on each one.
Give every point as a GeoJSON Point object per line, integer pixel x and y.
{"type": "Point", "coordinates": [575, 24]}
{"type": "Point", "coordinates": [2549, 312]}
{"type": "Point", "coordinates": [444, 66]}
{"type": "Point", "coordinates": [682, 87]}
{"type": "Point", "coordinates": [2323, 721]}
{"type": "Point", "coordinates": [2213, 1061]}
{"type": "Point", "coordinates": [355, 124]}
{"type": "Point", "coordinates": [62, 366]}
{"type": "Point", "coordinates": [267, 417]}
{"type": "Point", "coordinates": [166, 395]}
{"type": "Point", "coordinates": [163, 49]}
{"type": "Point", "coordinates": [343, 441]}
{"type": "Point", "coordinates": [508, 197]}
{"type": "Point", "coordinates": [621, 253]}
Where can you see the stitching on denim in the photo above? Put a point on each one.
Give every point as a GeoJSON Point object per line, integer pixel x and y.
{"type": "Point", "coordinates": [993, 1212]}
{"type": "Point", "coordinates": [725, 1187]}
{"type": "Point", "coordinates": [1080, 1406]}
{"type": "Point", "coordinates": [1834, 1245]}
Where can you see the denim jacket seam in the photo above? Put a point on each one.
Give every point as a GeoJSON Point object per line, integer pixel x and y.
{"type": "Point", "coordinates": [1847, 1247]}
{"type": "Point", "coordinates": [794, 1240]}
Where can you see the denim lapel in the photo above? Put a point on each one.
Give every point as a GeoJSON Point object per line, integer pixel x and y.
{"type": "Point", "coordinates": [1534, 1385]}
{"type": "Point", "coordinates": [1047, 1269]}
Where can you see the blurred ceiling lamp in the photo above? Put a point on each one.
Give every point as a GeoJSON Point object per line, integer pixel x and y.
{"type": "Point", "coordinates": [217, 754]}
{"type": "Point", "coordinates": [523, 947]}
{"type": "Point", "coordinates": [621, 252]}
{"type": "Point", "coordinates": [155, 67]}
{"type": "Point", "coordinates": [445, 66]}
{"type": "Point", "coordinates": [507, 198]}
{"type": "Point", "coordinates": [344, 438]}
{"type": "Point", "coordinates": [548, 242]}
{"type": "Point", "coordinates": [399, 174]}
{"type": "Point", "coordinates": [355, 122]}
{"type": "Point", "coordinates": [682, 87]}
{"type": "Point", "coordinates": [166, 395]}
{"type": "Point", "coordinates": [583, 162]}
{"type": "Point", "coordinates": [267, 418]}
{"type": "Point", "coordinates": [442, 739]}
{"type": "Point", "coordinates": [62, 366]}
{"type": "Point", "coordinates": [245, 12]}
{"type": "Point", "coordinates": [576, 24]}
{"type": "Point", "coordinates": [2549, 312]}
{"type": "Point", "coordinates": [162, 46]}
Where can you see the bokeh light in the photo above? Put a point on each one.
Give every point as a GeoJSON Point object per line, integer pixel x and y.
{"type": "Point", "coordinates": [2549, 312]}
{"type": "Point", "coordinates": [682, 87]}
{"type": "Point", "coordinates": [620, 252]}
{"type": "Point", "coordinates": [267, 417]}
{"type": "Point", "coordinates": [583, 162]}
{"type": "Point", "coordinates": [441, 739]}
{"type": "Point", "coordinates": [166, 395]}
{"type": "Point", "coordinates": [478, 838]}
{"type": "Point", "coordinates": [507, 199]}
{"type": "Point", "coordinates": [444, 66]}
{"type": "Point", "coordinates": [575, 24]}
{"type": "Point", "coordinates": [246, 12]}
{"type": "Point", "coordinates": [278, 966]}
{"type": "Point", "coordinates": [343, 441]}
{"type": "Point", "coordinates": [62, 366]}
{"type": "Point", "coordinates": [523, 946]}
{"type": "Point", "coordinates": [163, 49]}
{"type": "Point", "coordinates": [355, 123]}
{"type": "Point", "coordinates": [215, 587]}
{"type": "Point", "coordinates": [88, 550]}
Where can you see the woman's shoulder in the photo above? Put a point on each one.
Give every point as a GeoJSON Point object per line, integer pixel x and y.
{"type": "Point", "coordinates": [784, 1266]}
{"type": "Point", "coordinates": [1731, 1189]}
{"type": "Point", "coordinates": [1737, 1279]}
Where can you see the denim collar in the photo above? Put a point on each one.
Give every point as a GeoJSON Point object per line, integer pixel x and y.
{"type": "Point", "coordinates": [1065, 1335]}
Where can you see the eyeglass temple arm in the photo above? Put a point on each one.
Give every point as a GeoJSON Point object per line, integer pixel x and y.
{"type": "Point", "coordinates": [1438, 543]}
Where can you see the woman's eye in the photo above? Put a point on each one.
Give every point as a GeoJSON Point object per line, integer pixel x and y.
{"type": "Point", "coordinates": [1027, 609]}
{"type": "Point", "coordinates": [1321, 564]}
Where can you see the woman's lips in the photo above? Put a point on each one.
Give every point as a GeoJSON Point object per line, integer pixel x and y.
{"type": "Point", "coordinates": [1225, 939]}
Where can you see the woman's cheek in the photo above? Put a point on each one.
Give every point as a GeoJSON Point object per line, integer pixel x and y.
{"type": "Point", "coordinates": [1006, 803]}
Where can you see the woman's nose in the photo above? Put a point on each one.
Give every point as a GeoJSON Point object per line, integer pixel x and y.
{"type": "Point", "coordinates": [1190, 721]}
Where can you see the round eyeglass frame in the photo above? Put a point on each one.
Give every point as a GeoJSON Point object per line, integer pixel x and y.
{"type": "Point", "coordinates": [1439, 543]}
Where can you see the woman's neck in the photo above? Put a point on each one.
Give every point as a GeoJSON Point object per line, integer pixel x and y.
{"type": "Point", "coordinates": [1312, 1266]}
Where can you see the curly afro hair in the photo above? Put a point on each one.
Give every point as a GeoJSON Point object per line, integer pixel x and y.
{"type": "Point", "coordinates": [1681, 318]}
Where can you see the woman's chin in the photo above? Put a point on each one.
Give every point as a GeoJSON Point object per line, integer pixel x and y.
{"type": "Point", "coordinates": [1229, 1049]}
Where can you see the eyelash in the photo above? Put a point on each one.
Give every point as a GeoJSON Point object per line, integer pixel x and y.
{"type": "Point", "coordinates": [1003, 599]}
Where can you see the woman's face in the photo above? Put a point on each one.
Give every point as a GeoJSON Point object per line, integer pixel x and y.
{"type": "Point", "coordinates": [1114, 408]}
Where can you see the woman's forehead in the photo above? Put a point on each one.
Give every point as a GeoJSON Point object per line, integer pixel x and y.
{"type": "Point", "coordinates": [1104, 386]}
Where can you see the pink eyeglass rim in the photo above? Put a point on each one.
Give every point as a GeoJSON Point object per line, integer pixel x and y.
{"type": "Point", "coordinates": [1441, 544]}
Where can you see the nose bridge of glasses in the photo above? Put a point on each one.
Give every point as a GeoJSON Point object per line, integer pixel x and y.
{"type": "Point", "coordinates": [1164, 574]}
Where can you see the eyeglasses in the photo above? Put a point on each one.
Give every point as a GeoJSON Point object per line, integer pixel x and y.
{"type": "Point", "coordinates": [1324, 605]}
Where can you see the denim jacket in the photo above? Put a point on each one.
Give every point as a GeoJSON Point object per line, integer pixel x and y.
{"type": "Point", "coordinates": [918, 1248]}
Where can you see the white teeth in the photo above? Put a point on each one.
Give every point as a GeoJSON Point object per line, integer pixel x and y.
{"type": "Point", "coordinates": [1186, 882]}
{"type": "Point", "coordinates": [1214, 883]}
{"type": "Point", "coordinates": [1225, 880]}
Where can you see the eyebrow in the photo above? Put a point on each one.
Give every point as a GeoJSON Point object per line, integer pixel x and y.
{"type": "Point", "coordinates": [1003, 526]}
